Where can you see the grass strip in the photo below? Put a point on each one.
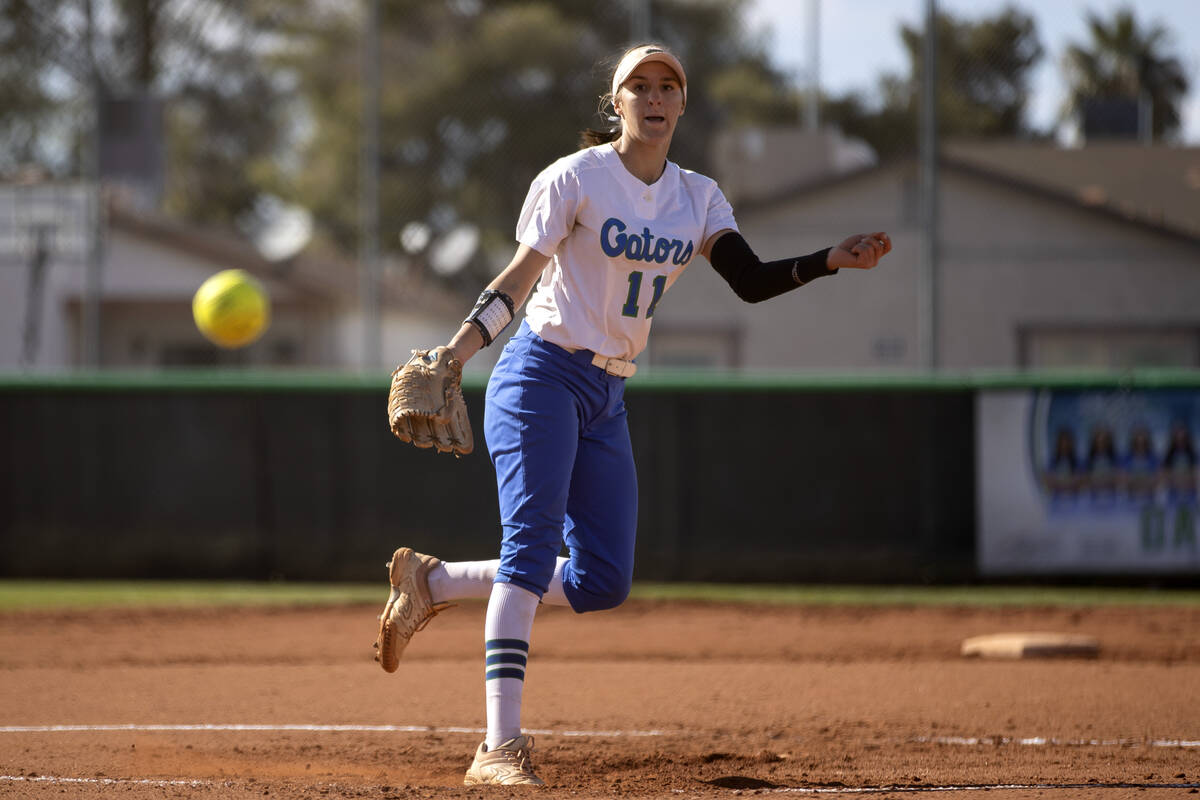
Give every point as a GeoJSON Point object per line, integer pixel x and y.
{"type": "Point", "coordinates": [973, 596]}
{"type": "Point", "coordinates": [32, 595]}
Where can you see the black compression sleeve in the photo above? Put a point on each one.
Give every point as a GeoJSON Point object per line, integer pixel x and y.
{"type": "Point", "coordinates": [755, 281]}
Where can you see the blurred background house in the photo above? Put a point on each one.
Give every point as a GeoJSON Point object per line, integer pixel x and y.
{"type": "Point", "coordinates": [152, 264]}
{"type": "Point", "coordinates": [1085, 257]}
{"type": "Point", "coordinates": [331, 152]}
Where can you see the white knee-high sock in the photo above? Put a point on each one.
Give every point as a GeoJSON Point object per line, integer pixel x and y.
{"type": "Point", "coordinates": [472, 580]}
{"type": "Point", "coordinates": [506, 632]}
{"type": "Point", "coordinates": [462, 580]}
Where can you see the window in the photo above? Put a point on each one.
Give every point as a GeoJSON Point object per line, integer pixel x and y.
{"type": "Point", "coordinates": [889, 349]}
{"type": "Point", "coordinates": [695, 347]}
{"type": "Point", "coordinates": [1101, 347]}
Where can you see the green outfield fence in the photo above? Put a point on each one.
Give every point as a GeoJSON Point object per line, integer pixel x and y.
{"type": "Point", "coordinates": [779, 478]}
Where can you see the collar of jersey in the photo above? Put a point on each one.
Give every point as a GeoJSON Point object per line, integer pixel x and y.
{"type": "Point", "coordinates": [633, 183]}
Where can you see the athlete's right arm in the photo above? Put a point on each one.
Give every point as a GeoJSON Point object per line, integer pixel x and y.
{"type": "Point", "coordinates": [517, 282]}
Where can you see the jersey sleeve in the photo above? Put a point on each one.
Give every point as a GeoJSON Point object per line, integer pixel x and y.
{"type": "Point", "coordinates": [549, 211]}
{"type": "Point", "coordinates": [720, 214]}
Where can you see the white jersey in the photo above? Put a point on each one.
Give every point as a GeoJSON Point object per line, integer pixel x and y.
{"type": "Point", "coordinates": [616, 246]}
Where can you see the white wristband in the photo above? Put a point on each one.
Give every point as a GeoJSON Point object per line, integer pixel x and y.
{"type": "Point", "coordinates": [492, 314]}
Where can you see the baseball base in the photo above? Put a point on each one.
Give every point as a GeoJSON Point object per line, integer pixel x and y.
{"type": "Point", "coordinates": [1031, 645]}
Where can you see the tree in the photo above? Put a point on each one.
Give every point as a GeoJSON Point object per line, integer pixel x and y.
{"type": "Point", "coordinates": [478, 97]}
{"type": "Point", "coordinates": [1123, 61]}
{"type": "Point", "coordinates": [982, 84]}
{"type": "Point", "coordinates": [31, 112]}
{"type": "Point", "coordinates": [264, 98]}
{"type": "Point", "coordinates": [210, 60]}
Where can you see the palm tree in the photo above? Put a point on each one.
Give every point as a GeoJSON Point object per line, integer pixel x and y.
{"type": "Point", "coordinates": [1124, 61]}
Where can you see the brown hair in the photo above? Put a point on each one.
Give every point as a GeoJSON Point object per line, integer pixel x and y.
{"type": "Point", "coordinates": [590, 137]}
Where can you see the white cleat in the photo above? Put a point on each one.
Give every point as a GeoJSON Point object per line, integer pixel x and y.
{"type": "Point", "coordinates": [506, 765]}
{"type": "Point", "coordinates": [409, 607]}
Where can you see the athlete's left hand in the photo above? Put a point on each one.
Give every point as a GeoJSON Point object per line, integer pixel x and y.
{"type": "Point", "coordinates": [861, 251]}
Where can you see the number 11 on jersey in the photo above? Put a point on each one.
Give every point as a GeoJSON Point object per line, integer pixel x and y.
{"type": "Point", "coordinates": [630, 309]}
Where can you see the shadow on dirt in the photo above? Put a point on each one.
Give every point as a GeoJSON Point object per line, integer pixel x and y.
{"type": "Point", "coordinates": [741, 782]}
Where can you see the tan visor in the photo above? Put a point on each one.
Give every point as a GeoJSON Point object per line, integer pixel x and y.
{"type": "Point", "coordinates": [635, 58]}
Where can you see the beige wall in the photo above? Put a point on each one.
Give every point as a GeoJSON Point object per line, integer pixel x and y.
{"type": "Point", "coordinates": [1009, 259]}
{"type": "Point", "coordinates": [146, 312]}
{"type": "Point", "coordinates": [834, 322]}
{"type": "Point", "coordinates": [761, 161]}
{"type": "Point", "coordinates": [56, 338]}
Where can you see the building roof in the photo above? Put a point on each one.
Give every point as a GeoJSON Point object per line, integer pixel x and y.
{"type": "Point", "coordinates": [1156, 185]}
{"type": "Point", "coordinates": [320, 279]}
{"type": "Point", "coordinates": [312, 282]}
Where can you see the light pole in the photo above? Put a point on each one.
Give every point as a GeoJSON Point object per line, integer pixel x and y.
{"type": "Point", "coordinates": [927, 299]}
{"type": "Point", "coordinates": [368, 204]}
{"type": "Point", "coordinates": [90, 329]}
{"type": "Point", "coordinates": [813, 115]}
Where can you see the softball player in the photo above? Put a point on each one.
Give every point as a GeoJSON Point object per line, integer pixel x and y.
{"type": "Point", "coordinates": [603, 234]}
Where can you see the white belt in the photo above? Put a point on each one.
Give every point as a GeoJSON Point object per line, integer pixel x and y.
{"type": "Point", "coordinates": [615, 366]}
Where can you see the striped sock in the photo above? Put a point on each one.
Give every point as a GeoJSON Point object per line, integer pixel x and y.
{"type": "Point", "coordinates": [506, 632]}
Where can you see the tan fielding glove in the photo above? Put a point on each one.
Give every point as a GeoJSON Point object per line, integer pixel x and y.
{"type": "Point", "coordinates": [426, 406]}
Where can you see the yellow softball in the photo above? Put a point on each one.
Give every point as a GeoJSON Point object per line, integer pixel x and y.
{"type": "Point", "coordinates": [231, 308]}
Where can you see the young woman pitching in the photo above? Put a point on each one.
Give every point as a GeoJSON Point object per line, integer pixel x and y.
{"type": "Point", "coordinates": [603, 234]}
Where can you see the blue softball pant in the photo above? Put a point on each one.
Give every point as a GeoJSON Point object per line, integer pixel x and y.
{"type": "Point", "coordinates": [557, 434]}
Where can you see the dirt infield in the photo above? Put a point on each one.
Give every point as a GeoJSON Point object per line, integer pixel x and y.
{"type": "Point", "coordinates": [651, 700]}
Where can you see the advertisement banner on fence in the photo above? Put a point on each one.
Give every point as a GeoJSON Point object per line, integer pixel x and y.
{"type": "Point", "coordinates": [1087, 481]}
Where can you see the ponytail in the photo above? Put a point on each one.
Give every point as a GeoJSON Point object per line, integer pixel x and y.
{"type": "Point", "coordinates": [590, 137]}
